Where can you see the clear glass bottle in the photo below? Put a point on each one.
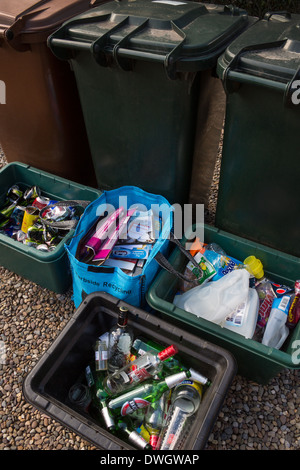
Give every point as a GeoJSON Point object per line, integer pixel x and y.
{"type": "Point", "coordinates": [101, 355]}
{"type": "Point", "coordinates": [120, 340]}
{"type": "Point", "coordinates": [185, 401]}
{"type": "Point", "coordinates": [143, 367]}
{"type": "Point", "coordinates": [80, 396]}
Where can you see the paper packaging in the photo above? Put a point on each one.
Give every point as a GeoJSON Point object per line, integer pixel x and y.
{"type": "Point", "coordinates": [128, 265]}
{"type": "Point", "coordinates": [144, 227]}
{"type": "Point", "coordinates": [131, 251]}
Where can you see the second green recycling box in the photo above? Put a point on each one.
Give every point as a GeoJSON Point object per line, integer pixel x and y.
{"type": "Point", "coordinates": [137, 65]}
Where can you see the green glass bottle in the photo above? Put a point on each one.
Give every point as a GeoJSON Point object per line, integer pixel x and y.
{"type": "Point", "coordinates": [143, 395]}
{"type": "Point", "coordinates": [126, 429]}
{"type": "Point", "coordinates": [99, 397]}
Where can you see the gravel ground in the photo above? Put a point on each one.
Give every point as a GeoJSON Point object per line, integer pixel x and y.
{"type": "Point", "coordinates": [253, 417]}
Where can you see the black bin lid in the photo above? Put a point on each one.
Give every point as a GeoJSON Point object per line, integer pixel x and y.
{"type": "Point", "coordinates": [190, 34]}
{"type": "Point", "coordinates": [267, 54]}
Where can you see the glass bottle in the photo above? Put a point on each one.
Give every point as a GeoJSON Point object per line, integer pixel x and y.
{"type": "Point", "coordinates": [120, 340]}
{"type": "Point", "coordinates": [101, 355]}
{"type": "Point", "coordinates": [185, 401]}
{"type": "Point", "coordinates": [99, 400]}
{"type": "Point", "coordinates": [144, 394]}
{"type": "Point", "coordinates": [80, 396]}
{"type": "Point", "coordinates": [143, 367]}
{"type": "Point", "coordinates": [126, 428]}
{"type": "Point", "coordinates": [154, 418]}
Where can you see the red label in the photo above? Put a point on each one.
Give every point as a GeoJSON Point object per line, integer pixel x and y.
{"type": "Point", "coordinates": [133, 405]}
{"type": "Point", "coordinates": [138, 375]}
{"type": "Point", "coordinates": [153, 440]}
{"type": "Point", "coordinates": [170, 438]}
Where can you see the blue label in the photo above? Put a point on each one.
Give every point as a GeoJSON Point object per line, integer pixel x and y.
{"type": "Point", "coordinates": [282, 303]}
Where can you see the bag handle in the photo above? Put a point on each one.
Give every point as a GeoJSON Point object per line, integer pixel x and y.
{"type": "Point", "coordinates": [165, 264]}
{"type": "Point", "coordinates": [63, 224]}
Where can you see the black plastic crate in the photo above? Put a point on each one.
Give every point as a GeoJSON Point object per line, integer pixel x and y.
{"type": "Point", "coordinates": [46, 387]}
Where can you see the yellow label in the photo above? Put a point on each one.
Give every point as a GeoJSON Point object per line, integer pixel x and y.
{"type": "Point", "coordinates": [30, 215]}
{"type": "Point", "coordinates": [195, 385]}
{"type": "Point", "coordinates": [144, 432]}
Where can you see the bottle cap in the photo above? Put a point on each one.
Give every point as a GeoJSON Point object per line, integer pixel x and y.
{"type": "Point", "coordinates": [123, 316]}
{"type": "Point", "coordinates": [197, 246]}
{"type": "Point", "coordinates": [254, 266]}
{"type": "Point", "coordinates": [168, 352]}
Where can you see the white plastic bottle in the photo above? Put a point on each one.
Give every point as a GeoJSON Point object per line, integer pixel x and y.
{"type": "Point", "coordinates": [276, 330]}
{"type": "Point", "coordinates": [243, 318]}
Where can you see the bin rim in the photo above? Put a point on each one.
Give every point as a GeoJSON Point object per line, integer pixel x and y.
{"type": "Point", "coordinates": [31, 252]}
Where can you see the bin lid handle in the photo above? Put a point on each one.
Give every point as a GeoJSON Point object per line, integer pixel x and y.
{"type": "Point", "coordinates": [124, 42]}
{"type": "Point", "coordinates": [121, 50]}
{"type": "Point", "coordinates": [231, 73]}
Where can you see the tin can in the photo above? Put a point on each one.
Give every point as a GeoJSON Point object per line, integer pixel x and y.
{"type": "Point", "coordinates": [30, 215]}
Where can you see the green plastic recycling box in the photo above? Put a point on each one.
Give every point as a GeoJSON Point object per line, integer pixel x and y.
{"type": "Point", "coordinates": [259, 181]}
{"type": "Point", "coordinates": [138, 68]}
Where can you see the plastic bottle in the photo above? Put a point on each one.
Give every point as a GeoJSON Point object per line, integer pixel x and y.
{"type": "Point", "coordinates": [276, 330]}
{"type": "Point", "coordinates": [294, 310]}
{"type": "Point", "coordinates": [120, 341]}
{"type": "Point", "coordinates": [265, 293]}
{"type": "Point", "coordinates": [143, 367]}
{"type": "Point", "coordinates": [185, 401]}
{"type": "Point", "coordinates": [243, 318]}
{"type": "Point", "coordinates": [197, 276]}
{"type": "Point", "coordinates": [144, 394]}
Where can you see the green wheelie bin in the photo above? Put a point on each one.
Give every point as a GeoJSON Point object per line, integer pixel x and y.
{"type": "Point", "coordinates": [259, 180]}
{"type": "Point", "coordinates": [140, 66]}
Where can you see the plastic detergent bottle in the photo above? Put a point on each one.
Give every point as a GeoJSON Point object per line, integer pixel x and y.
{"type": "Point", "coordinates": [243, 318]}
{"type": "Point", "coordinates": [276, 330]}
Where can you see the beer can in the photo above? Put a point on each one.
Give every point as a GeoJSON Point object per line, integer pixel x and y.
{"type": "Point", "coordinates": [30, 215]}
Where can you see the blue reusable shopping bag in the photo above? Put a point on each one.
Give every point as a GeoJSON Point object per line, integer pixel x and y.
{"type": "Point", "coordinates": [87, 278]}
